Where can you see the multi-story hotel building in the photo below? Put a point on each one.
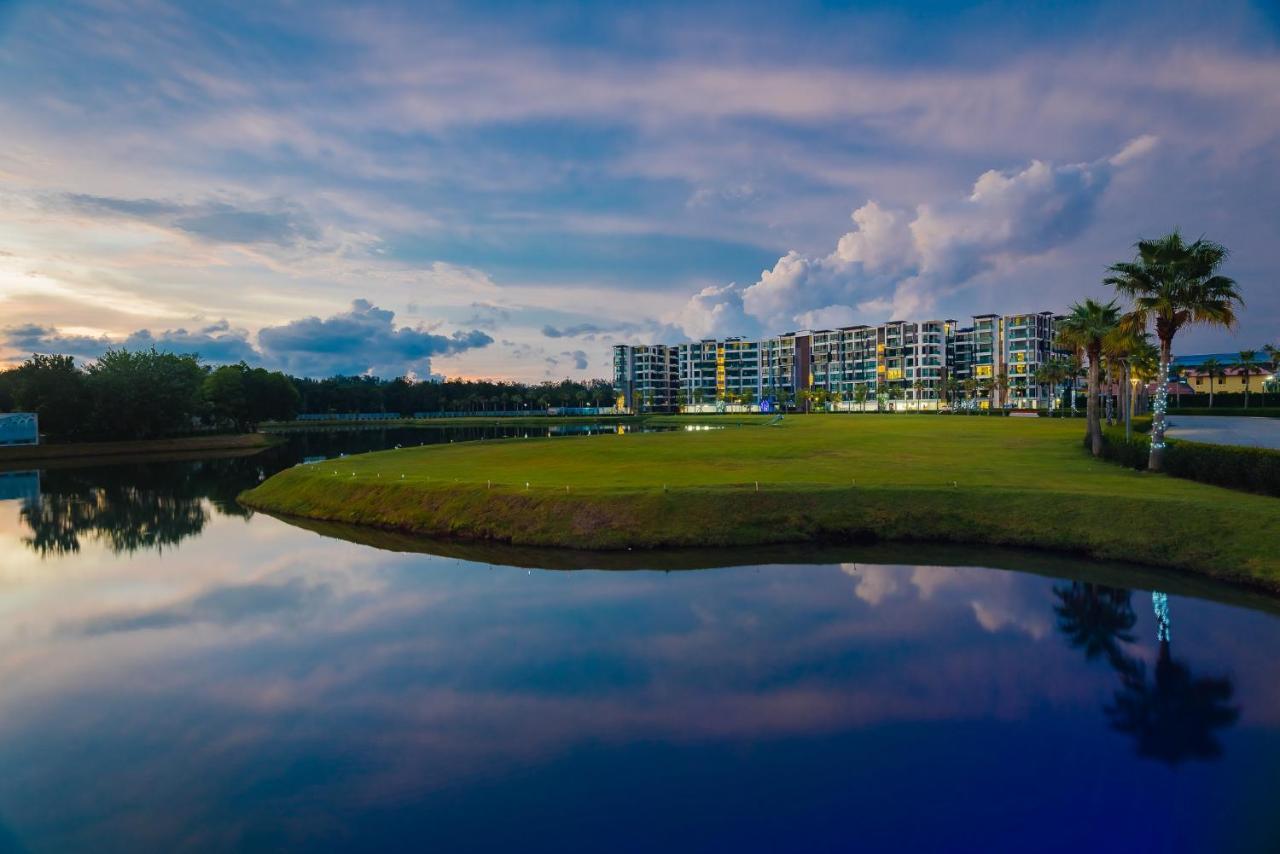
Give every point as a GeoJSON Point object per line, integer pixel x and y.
{"type": "Point", "coordinates": [899, 364]}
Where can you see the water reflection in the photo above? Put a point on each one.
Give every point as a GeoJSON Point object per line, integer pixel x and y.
{"type": "Point", "coordinates": [158, 504]}
{"type": "Point", "coordinates": [1171, 714]}
{"type": "Point", "coordinates": [271, 686]}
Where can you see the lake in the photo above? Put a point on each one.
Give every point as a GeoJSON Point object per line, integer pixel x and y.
{"type": "Point", "coordinates": [181, 674]}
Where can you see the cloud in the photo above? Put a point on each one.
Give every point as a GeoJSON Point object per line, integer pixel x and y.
{"type": "Point", "coordinates": [715, 311]}
{"type": "Point", "coordinates": [217, 343]}
{"type": "Point", "coordinates": [211, 221]}
{"type": "Point", "coordinates": [575, 330]}
{"type": "Point", "coordinates": [899, 262]}
{"type": "Point", "coordinates": [362, 340]}
{"type": "Point", "coordinates": [484, 315]}
{"type": "Point", "coordinates": [577, 357]}
{"type": "Point", "coordinates": [222, 605]}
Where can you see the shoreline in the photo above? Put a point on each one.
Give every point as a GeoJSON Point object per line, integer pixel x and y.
{"type": "Point", "coordinates": [630, 520]}
{"type": "Point", "coordinates": [140, 448]}
{"type": "Point", "coordinates": [985, 482]}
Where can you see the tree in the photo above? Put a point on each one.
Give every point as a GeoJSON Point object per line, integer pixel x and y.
{"type": "Point", "coordinates": [1247, 365]}
{"type": "Point", "coordinates": [1054, 373]}
{"type": "Point", "coordinates": [1001, 387]}
{"type": "Point", "coordinates": [224, 394]}
{"type": "Point", "coordinates": [1087, 328]}
{"type": "Point", "coordinates": [1273, 356]}
{"type": "Point", "coordinates": [53, 388]}
{"type": "Point", "coordinates": [1211, 368]}
{"type": "Point", "coordinates": [1119, 350]}
{"type": "Point", "coordinates": [144, 393]}
{"type": "Point", "coordinates": [1174, 284]}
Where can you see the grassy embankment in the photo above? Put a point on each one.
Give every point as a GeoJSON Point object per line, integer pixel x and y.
{"type": "Point", "coordinates": [993, 481]}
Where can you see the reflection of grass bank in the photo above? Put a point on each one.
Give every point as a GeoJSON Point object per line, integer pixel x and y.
{"type": "Point", "coordinates": [88, 453]}
{"type": "Point", "coordinates": [1047, 564]}
{"type": "Point", "coordinates": [992, 481]}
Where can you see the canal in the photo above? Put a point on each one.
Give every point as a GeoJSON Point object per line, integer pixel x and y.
{"type": "Point", "coordinates": [181, 673]}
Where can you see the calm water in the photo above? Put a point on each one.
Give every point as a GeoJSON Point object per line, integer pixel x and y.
{"type": "Point", "coordinates": [179, 674]}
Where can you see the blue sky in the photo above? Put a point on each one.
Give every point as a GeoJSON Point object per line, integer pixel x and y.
{"type": "Point", "coordinates": [498, 189]}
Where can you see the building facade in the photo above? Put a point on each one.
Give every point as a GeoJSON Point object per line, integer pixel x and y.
{"type": "Point", "coordinates": [645, 377]}
{"type": "Point", "coordinates": [930, 364]}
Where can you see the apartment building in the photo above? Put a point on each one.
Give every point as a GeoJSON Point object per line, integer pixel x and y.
{"type": "Point", "coordinates": [644, 377]}
{"type": "Point", "coordinates": [895, 365]}
{"type": "Point", "coordinates": [718, 370]}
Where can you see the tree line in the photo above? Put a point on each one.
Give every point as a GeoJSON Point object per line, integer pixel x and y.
{"type": "Point", "coordinates": [145, 394]}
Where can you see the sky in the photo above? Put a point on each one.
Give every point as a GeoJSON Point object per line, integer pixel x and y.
{"type": "Point", "coordinates": [504, 190]}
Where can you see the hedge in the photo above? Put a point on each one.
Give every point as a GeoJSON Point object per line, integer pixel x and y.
{"type": "Point", "coordinates": [1252, 411]}
{"type": "Point", "coordinates": [1226, 399]}
{"type": "Point", "coordinates": [1233, 466]}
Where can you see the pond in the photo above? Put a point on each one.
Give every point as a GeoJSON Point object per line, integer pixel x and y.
{"type": "Point", "coordinates": [181, 673]}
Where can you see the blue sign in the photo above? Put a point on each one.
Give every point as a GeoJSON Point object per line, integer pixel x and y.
{"type": "Point", "coordinates": [19, 428]}
{"type": "Point", "coordinates": [766, 405]}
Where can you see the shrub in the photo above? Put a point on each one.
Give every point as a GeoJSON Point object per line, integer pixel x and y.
{"type": "Point", "coordinates": [1252, 411]}
{"type": "Point", "coordinates": [1232, 466]}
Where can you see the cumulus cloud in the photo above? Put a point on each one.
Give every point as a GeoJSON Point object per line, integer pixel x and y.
{"type": "Point", "coordinates": [899, 262]}
{"type": "Point", "coordinates": [362, 340]}
{"type": "Point", "coordinates": [716, 311]}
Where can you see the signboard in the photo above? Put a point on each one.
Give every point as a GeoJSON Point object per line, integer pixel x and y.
{"type": "Point", "coordinates": [895, 373]}
{"type": "Point", "coordinates": [766, 405]}
{"type": "Point", "coordinates": [983, 370]}
{"type": "Point", "coordinates": [19, 428]}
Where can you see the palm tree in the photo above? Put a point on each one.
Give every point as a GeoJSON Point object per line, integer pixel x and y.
{"type": "Point", "coordinates": [1247, 364]}
{"type": "Point", "coordinates": [1001, 386]}
{"type": "Point", "coordinates": [1087, 328]}
{"type": "Point", "coordinates": [1273, 356]}
{"type": "Point", "coordinates": [1120, 349]}
{"type": "Point", "coordinates": [1145, 365]}
{"type": "Point", "coordinates": [1212, 368]}
{"type": "Point", "coordinates": [1173, 284]}
{"type": "Point", "coordinates": [1050, 374]}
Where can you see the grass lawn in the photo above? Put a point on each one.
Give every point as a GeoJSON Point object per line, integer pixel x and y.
{"type": "Point", "coordinates": [998, 481]}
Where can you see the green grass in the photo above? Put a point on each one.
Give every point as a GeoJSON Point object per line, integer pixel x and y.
{"type": "Point", "coordinates": [994, 481]}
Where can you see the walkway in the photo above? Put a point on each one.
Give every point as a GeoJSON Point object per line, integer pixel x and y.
{"type": "Point", "coordinates": [1226, 430]}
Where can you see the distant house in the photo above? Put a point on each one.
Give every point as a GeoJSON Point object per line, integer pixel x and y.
{"type": "Point", "coordinates": [1226, 379]}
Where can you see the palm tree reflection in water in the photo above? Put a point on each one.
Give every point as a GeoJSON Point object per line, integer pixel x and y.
{"type": "Point", "coordinates": [1173, 716]}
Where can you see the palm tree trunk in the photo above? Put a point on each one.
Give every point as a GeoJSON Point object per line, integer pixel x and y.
{"type": "Point", "coordinates": [1155, 461]}
{"type": "Point", "coordinates": [1091, 409]}
{"type": "Point", "coordinates": [1125, 403]}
